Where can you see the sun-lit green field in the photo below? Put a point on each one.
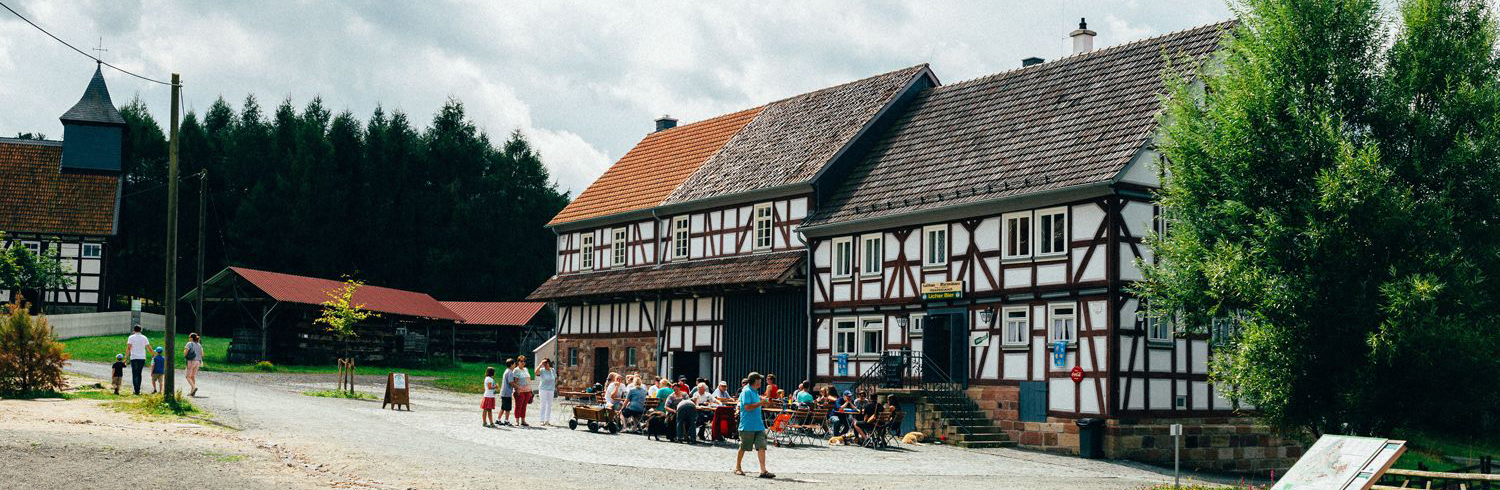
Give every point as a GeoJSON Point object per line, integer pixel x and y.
{"type": "Point", "coordinates": [464, 377]}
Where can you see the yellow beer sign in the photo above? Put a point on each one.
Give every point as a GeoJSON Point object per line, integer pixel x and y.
{"type": "Point", "coordinates": [942, 290]}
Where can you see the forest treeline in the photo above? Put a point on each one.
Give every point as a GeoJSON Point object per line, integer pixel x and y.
{"type": "Point", "coordinates": [440, 209]}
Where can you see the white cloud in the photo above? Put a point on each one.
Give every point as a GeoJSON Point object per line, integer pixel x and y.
{"type": "Point", "coordinates": [583, 80]}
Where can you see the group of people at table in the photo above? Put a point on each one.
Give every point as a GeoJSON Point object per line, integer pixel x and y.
{"type": "Point", "coordinates": [633, 398]}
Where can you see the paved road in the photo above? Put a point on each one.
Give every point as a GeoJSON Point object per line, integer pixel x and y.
{"type": "Point", "coordinates": [440, 444]}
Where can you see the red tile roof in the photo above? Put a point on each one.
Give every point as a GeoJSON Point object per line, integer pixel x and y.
{"type": "Point", "coordinates": [314, 291]}
{"type": "Point", "coordinates": [653, 168]}
{"type": "Point", "coordinates": [494, 312]}
{"type": "Point", "coordinates": [35, 196]}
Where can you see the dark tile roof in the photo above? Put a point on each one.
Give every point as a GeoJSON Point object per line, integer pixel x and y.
{"type": "Point", "coordinates": [35, 196]}
{"type": "Point", "coordinates": [1073, 121]}
{"type": "Point", "coordinates": [754, 269]}
{"type": "Point", "coordinates": [792, 139]}
{"type": "Point", "coordinates": [95, 106]}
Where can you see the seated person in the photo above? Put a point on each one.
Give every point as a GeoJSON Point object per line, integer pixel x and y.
{"type": "Point", "coordinates": [663, 391]}
{"type": "Point", "coordinates": [723, 390]}
{"type": "Point", "coordinates": [702, 398]}
{"type": "Point", "coordinates": [803, 396]}
{"type": "Point", "coordinates": [635, 405]}
{"type": "Point", "coordinates": [867, 418]}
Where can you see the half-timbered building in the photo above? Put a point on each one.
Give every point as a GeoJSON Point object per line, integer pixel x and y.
{"type": "Point", "coordinates": [61, 198]}
{"type": "Point", "coordinates": [683, 260]}
{"type": "Point", "coordinates": [992, 235]}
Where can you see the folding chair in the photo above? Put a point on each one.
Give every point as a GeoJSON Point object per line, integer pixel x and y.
{"type": "Point", "coordinates": [777, 432]}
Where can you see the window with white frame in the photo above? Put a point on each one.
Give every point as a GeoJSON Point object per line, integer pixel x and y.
{"type": "Point", "coordinates": [586, 250]}
{"type": "Point", "coordinates": [915, 323]}
{"type": "Point", "coordinates": [844, 335]}
{"type": "Point", "coordinates": [1222, 330]}
{"type": "Point", "coordinates": [1017, 231]}
{"type": "Point", "coordinates": [1017, 327]}
{"type": "Point", "coordinates": [33, 247]}
{"type": "Point", "coordinates": [1158, 329]}
{"type": "Point", "coordinates": [619, 247]}
{"type": "Point", "coordinates": [92, 250]}
{"type": "Point", "coordinates": [935, 246]}
{"type": "Point", "coordinates": [1064, 326]}
{"type": "Point", "coordinates": [843, 257]}
{"type": "Point", "coordinates": [680, 236]}
{"type": "Point", "coordinates": [1052, 231]}
{"type": "Point", "coordinates": [871, 336]}
{"type": "Point", "coordinates": [764, 221]}
{"type": "Point", "coordinates": [872, 255]}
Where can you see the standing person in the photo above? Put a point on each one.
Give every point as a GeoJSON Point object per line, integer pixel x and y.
{"type": "Point", "coordinates": [522, 391]}
{"type": "Point", "coordinates": [117, 372]}
{"type": "Point", "coordinates": [546, 389]}
{"type": "Point", "coordinates": [158, 369]}
{"type": "Point", "coordinates": [506, 389]}
{"type": "Point", "coordinates": [487, 404]}
{"type": "Point", "coordinates": [752, 426]}
{"type": "Point", "coordinates": [193, 353]}
{"type": "Point", "coordinates": [136, 346]}
{"type": "Point", "coordinates": [687, 420]}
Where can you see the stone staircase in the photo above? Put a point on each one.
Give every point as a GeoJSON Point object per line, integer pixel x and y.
{"type": "Point", "coordinates": [954, 415]}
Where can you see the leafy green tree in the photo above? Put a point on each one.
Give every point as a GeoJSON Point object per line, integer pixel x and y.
{"type": "Point", "coordinates": [25, 271]}
{"type": "Point", "coordinates": [1336, 196]}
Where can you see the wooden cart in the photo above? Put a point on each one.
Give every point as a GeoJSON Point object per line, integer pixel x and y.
{"type": "Point", "coordinates": [596, 417]}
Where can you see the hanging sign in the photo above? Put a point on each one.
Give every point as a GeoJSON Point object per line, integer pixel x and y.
{"type": "Point", "coordinates": [843, 365]}
{"type": "Point", "coordinates": [1076, 374]}
{"type": "Point", "coordinates": [1060, 353]}
{"type": "Point", "coordinates": [397, 392]}
{"type": "Point", "coordinates": [942, 290]}
{"type": "Point", "coordinates": [979, 339]}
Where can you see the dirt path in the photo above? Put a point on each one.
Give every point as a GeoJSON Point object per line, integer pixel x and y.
{"type": "Point", "coordinates": [440, 444]}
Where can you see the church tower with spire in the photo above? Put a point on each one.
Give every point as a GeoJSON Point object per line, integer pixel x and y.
{"type": "Point", "coordinates": [93, 131]}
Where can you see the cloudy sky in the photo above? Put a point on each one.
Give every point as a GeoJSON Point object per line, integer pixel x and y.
{"type": "Point", "coordinates": [583, 80]}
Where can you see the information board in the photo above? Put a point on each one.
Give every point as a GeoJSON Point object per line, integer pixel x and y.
{"type": "Point", "coordinates": [397, 392]}
{"type": "Point", "coordinates": [1342, 463]}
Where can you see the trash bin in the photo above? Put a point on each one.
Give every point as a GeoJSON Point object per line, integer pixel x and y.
{"type": "Point", "coordinates": [1091, 438]}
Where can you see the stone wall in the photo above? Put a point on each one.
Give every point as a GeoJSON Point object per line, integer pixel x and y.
{"type": "Point", "coordinates": [106, 323]}
{"type": "Point", "coordinates": [579, 377]}
{"type": "Point", "coordinates": [1225, 444]}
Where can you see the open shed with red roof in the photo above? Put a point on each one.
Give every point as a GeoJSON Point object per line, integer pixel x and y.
{"type": "Point", "coordinates": [271, 316]}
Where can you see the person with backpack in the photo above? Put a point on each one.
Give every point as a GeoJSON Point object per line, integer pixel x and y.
{"type": "Point", "coordinates": [193, 353]}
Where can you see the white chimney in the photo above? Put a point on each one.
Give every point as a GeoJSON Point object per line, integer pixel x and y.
{"type": "Point", "coordinates": [1083, 38]}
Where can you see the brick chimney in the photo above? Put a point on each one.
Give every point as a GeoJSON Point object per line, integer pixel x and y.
{"type": "Point", "coordinates": [1083, 38]}
{"type": "Point", "coordinates": [665, 122]}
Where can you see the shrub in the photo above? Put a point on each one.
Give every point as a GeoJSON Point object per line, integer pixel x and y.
{"type": "Point", "coordinates": [265, 366]}
{"type": "Point", "coordinates": [31, 360]}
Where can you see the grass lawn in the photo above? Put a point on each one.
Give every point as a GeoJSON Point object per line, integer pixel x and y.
{"type": "Point", "coordinates": [340, 394]}
{"type": "Point", "coordinates": [464, 377]}
{"type": "Point", "coordinates": [1429, 450]}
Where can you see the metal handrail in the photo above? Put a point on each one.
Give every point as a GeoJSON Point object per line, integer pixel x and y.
{"type": "Point", "coordinates": [949, 394]}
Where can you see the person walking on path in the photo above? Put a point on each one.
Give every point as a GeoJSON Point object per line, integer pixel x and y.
{"type": "Point", "coordinates": [193, 353]}
{"type": "Point", "coordinates": [752, 426]}
{"type": "Point", "coordinates": [506, 390]}
{"type": "Point", "coordinates": [522, 390]}
{"type": "Point", "coordinates": [136, 346]}
{"type": "Point", "coordinates": [487, 404]}
{"type": "Point", "coordinates": [546, 389]}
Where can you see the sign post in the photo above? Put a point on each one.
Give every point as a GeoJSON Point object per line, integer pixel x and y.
{"type": "Point", "coordinates": [1176, 456]}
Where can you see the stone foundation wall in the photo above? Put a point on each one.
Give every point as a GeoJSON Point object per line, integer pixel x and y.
{"type": "Point", "coordinates": [579, 377]}
{"type": "Point", "coordinates": [1224, 444]}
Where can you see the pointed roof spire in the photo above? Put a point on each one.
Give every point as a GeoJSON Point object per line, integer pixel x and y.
{"type": "Point", "coordinates": [94, 107]}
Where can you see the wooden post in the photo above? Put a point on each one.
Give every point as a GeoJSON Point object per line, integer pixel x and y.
{"type": "Point", "coordinates": [202, 206]}
{"type": "Point", "coordinates": [171, 291]}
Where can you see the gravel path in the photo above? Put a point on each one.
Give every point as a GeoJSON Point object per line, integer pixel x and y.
{"type": "Point", "coordinates": [440, 444]}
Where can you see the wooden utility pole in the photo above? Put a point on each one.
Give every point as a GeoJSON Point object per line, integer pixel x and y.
{"type": "Point", "coordinates": [171, 299]}
{"type": "Point", "coordinates": [202, 207]}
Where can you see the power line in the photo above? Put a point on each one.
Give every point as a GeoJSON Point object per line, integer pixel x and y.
{"type": "Point", "coordinates": [65, 43]}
